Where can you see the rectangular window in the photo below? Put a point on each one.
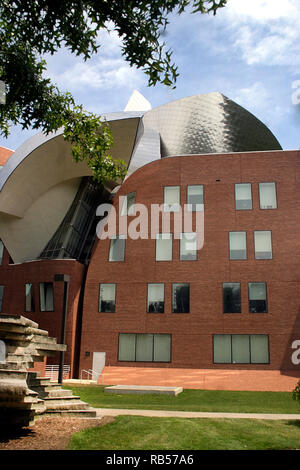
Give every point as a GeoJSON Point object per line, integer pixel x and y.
{"type": "Point", "coordinates": [267, 196]}
{"type": "Point", "coordinates": [195, 199]}
{"type": "Point", "coordinates": [243, 196]}
{"type": "Point", "coordinates": [107, 298]}
{"type": "Point", "coordinates": [143, 347]}
{"type": "Point", "coordinates": [263, 244]}
{"type": "Point", "coordinates": [241, 349]}
{"type": "Point", "coordinates": [231, 297]}
{"type": "Point", "coordinates": [188, 246]}
{"type": "Point", "coordinates": [1, 252]}
{"type": "Point", "coordinates": [1, 297]}
{"type": "Point", "coordinates": [156, 298]}
{"type": "Point", "coordinates": [29, 298]}
{"type": "Point", "coordinates": [117, 248]}
{"type": "Point", "coordinates": [237, 245]}
{"type": "Point", "coordinates": [164, 242]}
{"type": "Point", "coordinates": [46, 297]}
{"type": "Point", "coordinates": [258, 297]}
{"type": "Point", "coordinates": [171, 198]}
{"type": "Point", "coordinates": [128, 204]}
{"type": "Point", "coordinates": [180, 298]}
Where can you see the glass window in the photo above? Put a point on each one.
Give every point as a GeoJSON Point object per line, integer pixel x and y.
{"type": "Point", "coordinates": [267, 196]}
{"type": "Point", "coordinates": [237, 245]}
{"type": "Point", "coordinates": [164, 247]}
{"type": "Point", "coordinates": [222, 349]}
{"type": "Point", "coordinates": [128, 204]}
{"type": "Point", "coordinates": [29, 298]}
{"type": "Point", "coordinates": [263, 244]}
{"type": "Point", "coordinates": [117, 248]}
{"type": "Point", "coordinates": [195, 198]}
{"type": "Point", "coordinates": [1, 297]}
{"type": "Point", "coordinates": [156, 298]}
{"type": "Point", "coordinates": [258, 297]}
{"type": "Point", "coordinates": [1, 251]}
{"type": "Point", "coordinates": [162, 348]}
{"type": "Point", "coordinates": [107, 298]}
{"type": "Point", "coordinates": [231, 297]}
{"type": "Point", "coordinates": [243, 196]}
{"type": "Point", "coordinates": [259, 347]}
{"type": "Point", "coordinates": [127, 347]}
{"type": "Point", "coordinates": [188, 246]}
{"type": "Point", "coordinates": [171, 198]}
{"type": "Point", "coordinates": [180, 298]}
{"type": "Point", "coordinates": [46, 297]}
{"type": "Point", "coordinates": [241, 349]}
{"type": "Point", "coordinates": [143, 347]}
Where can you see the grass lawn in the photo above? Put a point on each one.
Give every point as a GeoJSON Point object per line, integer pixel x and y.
{"type": "Point", "coordinates": [192, 400]}
{"type": "Point", "coordinates": [140, 433]}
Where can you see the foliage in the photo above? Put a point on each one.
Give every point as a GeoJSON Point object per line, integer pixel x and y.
{"type": "Point", "coordinates": [30, 29]}
{"type": "Point", "coordinates": [296, 392]}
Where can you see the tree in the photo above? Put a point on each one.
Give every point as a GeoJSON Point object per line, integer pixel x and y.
{"type": "Point", "coordinates": [31, 28]}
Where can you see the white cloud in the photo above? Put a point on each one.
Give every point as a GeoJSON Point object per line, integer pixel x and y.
{"type": "Point", "coordinates": [265, 31]}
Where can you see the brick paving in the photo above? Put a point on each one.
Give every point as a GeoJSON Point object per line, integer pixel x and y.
{"type": "Point", "coordinates": [203, 379]}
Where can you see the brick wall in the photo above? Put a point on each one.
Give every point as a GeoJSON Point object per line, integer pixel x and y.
{"type": "Point", "coordinates": [192, 333]}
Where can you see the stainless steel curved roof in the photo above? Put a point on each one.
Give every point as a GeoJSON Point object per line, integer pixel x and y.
{"type": "Point", "coordinates": [208, 123]}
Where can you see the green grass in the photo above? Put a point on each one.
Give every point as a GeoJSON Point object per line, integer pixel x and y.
{"type": "Point", "coordinates": [192, 400]}
{"type": "Point", "coordinates": [140, 433]}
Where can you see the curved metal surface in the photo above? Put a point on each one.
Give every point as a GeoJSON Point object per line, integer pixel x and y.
{"type": "Point", "coordinates": [208, 123]}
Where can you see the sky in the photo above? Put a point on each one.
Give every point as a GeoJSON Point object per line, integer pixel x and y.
{"type": "Point", "coordinates": [249, 51]}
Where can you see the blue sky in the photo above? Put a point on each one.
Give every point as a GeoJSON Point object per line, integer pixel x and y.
{"type": "Point", "coordinates": [249, 51]}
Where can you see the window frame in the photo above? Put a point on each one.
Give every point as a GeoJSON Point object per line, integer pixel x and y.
{"type": "Point", "coordinates": [32, 298]}
{"type": "Point", "coordinates": [271, 239]}
{"type": "Point", "coordinates": [246, 245]}
{"type": "Point", "coordinates": [250, 351]}
{"type": "Point", "coordinates": [53, 303]}
{"type": "Point", "coordinates": [153, 352]}
{"type": "Point", "coordinates": [99, 296]}
{"type": "Point", "coordinates": [181, 246]}
{"type": "Point", "coordinates": [172, 296]}
{"type": "Point", "coordinates": [171, 241]}
{"type": "Point", "coordinates": [235, 199]}
{"type": "Point", "coordinates": [259, 195]}
{"type": "Point", "coordinates": [192, 209]}
{"type": "Point", "coordinates": [266, 300]}
{"type": "Point", "coordinates": [223, 305]}
{"type": "Point", "coordinates": [124, 209]}
{"type": "Point", "coordinates": [164, 301]}
{"type": "Point", "coordinates": [117, 237]}
{"type": "Point", "coordinates": [172, 207]}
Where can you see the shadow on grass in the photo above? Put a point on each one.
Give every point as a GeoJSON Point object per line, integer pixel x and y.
{"type": "Point", "coordinates": [295, 423]}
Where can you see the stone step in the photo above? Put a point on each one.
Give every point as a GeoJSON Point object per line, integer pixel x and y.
{"type": "Point", "coordinates": [17, 365]}
{"type": "Point", "coordinates": [65, 404]}
{"type": "Point", "coordinates": [86, 413]}
{"type": "Point", "coordinates": [12, 374]}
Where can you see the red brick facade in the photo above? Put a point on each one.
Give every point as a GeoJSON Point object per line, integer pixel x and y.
{"type": "Point", "coordinates": [192, 333]}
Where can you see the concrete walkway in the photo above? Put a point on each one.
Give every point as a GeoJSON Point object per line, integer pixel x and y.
{"type": "Point", "coordinates": [189, 414]}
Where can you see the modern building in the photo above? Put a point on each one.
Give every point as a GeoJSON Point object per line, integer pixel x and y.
{"type": "Point", "coordinates": [202, 270]}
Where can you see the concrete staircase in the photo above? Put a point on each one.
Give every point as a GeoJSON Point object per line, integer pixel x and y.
{"type": "Point", "coordinates": [24, 395]}
{"type": "Point", "coordinates": [58, 401]}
